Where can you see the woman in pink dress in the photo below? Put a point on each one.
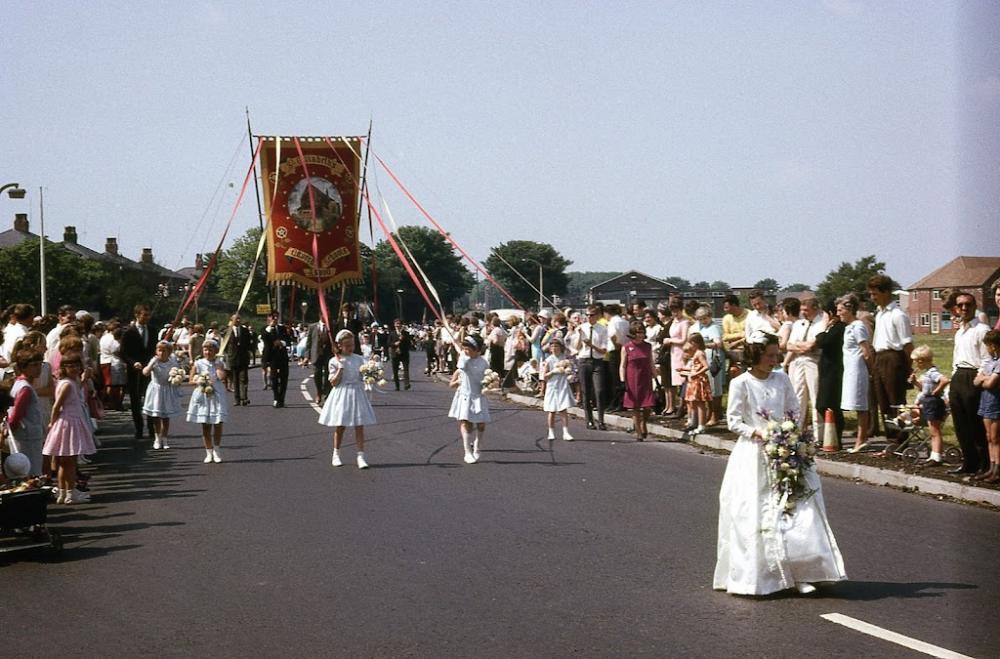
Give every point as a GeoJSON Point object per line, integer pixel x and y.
{"type": "Point", "coordinates": [636, 371]}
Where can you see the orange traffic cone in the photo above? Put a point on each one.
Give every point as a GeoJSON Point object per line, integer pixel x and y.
{"type": "Point", "coordinates": [831, 440]}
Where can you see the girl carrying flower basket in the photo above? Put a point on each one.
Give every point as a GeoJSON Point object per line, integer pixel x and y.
{"type": "Point", "coordinates": [558, 395]}
{"type": "Point", "coordinates": [347, 405]}
{"type": "Point", "coordinates": [162, 399]}
{"type": "Point", "coordinates": [469, 405]}
{"type": "Point", "coordinates": [208, 401]}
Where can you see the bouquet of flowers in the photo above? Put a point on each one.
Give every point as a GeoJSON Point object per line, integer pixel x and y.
{"type": "Point", "coordinates": [204, 382]}
{"type": "Point", "coordinates": [491, 379]}
{"type": "Point", "coordinates": [176, 376]}
{"type": "Point", "coordinates": [790, 453]}
{"type": "Point", "coordinates": [372, 373]}
{"type": "Point", "coordinates": [564, 366]}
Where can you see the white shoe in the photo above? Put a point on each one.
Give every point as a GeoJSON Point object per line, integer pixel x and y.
{"type": "Point", "coordinates": [552, 434]}
{"type": "Point", "coordinates": [336, 460]}
{"type": "Point", "coordinates": [208, 456]}
{"type": "Point", "coordinates": [61, 495]}
{"type": "Point", "coordinates": [805, 588]}
{"type": "Point", "coordinates": [163, 443]}
{"type": "Point", "coordinates": [215, 455]}
{"type": "Point", "coordinates": [157, 444]}
{"type": "Point", "coordinates": [475, 455]}
{"type": "Point", "coordinates": [469, 459]}
{"type": "Point", "coordinates": [698, 430]}
{"type": "Point", "coordinates": [75, 496]}
{"type": "Point", "coordinates": [361, 461]}
{"type": "Point", "coordinates": [566, 436]}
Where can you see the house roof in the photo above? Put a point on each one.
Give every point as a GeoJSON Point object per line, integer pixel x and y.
{"type": "Point", "coordinates": [12, 237]}
{"type": "Point", "coordinates": [634, 272]}
{"type": "Point", "coordinates": [963, 271]}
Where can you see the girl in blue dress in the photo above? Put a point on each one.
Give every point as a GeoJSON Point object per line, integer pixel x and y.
{"type": "Point", "coordinates": [162, 400]}
{"type": "Point", "coordinates": [208, 401]}
{"type": "Point", "coordinates": [347, 404]}
{"type": "Point", "coordinates": [558, 394]}
{"type": "Point", "coordinates": [469, 405]}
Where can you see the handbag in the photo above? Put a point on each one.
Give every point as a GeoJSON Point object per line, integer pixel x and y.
{"type": "Point", "coordinates": [716, 364]}
{"type": "Point", "coordinates": [94, 406]}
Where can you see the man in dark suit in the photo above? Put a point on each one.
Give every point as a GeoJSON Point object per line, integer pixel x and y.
{"type": "Point", "coordinates": [137, 349]}
{"type": "Point", "coordinates": [399, 352]}
{"type": "Point", "coordinates": [347, 320]}
{"type": "Point", "coordinates": [320, 351]}
{"type": "Point", "coordinates": [276, 339]}
{"type": "Point", "coordinates": [239, 351]}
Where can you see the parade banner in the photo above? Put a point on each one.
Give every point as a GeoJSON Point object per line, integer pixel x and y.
{"type": "Point", "coordinates": [311, 201]}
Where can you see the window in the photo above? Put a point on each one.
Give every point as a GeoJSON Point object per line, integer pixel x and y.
{"type": "Point", "coordinates": [913, 295]}
{"type": "Point", "coordinates": [936, 294]}
{"type": "Point", "coordinates": [925, 320]}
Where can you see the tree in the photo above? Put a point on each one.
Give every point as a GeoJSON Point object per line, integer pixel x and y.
{"type": "Point", "coordinates": [439, 262]}
{"type": "Point", "coordinates": [851, 278]}
{"type": "Point", "coordinates": [719, 285]}
{"type": "Point", "coordinates": [796, 288]}
{"type": "Point", "coordinates": [681, 283]}
{"type": "Point", "coordinates": [521, 254]}
{"type": "Point", "coordinates": [69, 279]}
{"type": "Point", "coordinates": [701, 284]}
{"type": "Point", "coordinates": [234, 265]}
{"type": "Point", "coordinates": [767, 284]}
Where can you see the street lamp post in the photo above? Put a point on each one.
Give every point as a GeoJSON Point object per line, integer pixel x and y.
{"type": "Point", "coordinates": [41, 246]}
{"type": "Point", "coordinates": [399, 303]}
{"type": "Point", "coordinates": [304, 306]}
{"type": "Point", "coordinates": [541, 297]}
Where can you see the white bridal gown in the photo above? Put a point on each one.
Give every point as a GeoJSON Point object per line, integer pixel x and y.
{"type": "Point", "coordinates": [760, 550]}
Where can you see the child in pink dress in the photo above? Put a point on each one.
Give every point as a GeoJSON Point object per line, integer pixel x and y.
{"type": "Point", "coordinates": [70, 433]}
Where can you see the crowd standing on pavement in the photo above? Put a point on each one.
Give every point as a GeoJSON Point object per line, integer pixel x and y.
{"type": "Point", "coordinates": [672, 360]}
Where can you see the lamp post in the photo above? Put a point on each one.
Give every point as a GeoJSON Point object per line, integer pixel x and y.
{"type": "Point", "coordinates": [14, 190]}
{"type": "Point", "coordinates": [41, 246]}
{"type": "Point", "coordinates": [399, 303]}
{"type": "Point", "coordinates": [304, 306]}
{"type": "Point", "coordinates": [541, 297]}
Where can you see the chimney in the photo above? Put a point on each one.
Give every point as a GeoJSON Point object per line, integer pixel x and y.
{"type": "Point", "coordinates": [111, 246]}
{"type": "Point", "coordinates": [21, 222]}
{"type": "Point", "coordinates": [69, 235]}
{"type": "Point", "coordinates": [147, 255]}
{"type": "Point", "coordinates": [198, 263]}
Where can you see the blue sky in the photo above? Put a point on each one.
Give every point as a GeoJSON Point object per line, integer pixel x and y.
{"type": "Point", "coordinates": [709, 140]}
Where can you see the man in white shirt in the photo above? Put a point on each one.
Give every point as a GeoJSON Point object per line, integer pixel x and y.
{"type": "Point", "coordinates": [892, 342]}
{"type": "Point", "coordinates": [968, 357]}
{"type": "Point", "coordinates": [803, 367]}
{"type": "Point", "coordinates": [20, 318]}
{"type": "Point", "coordinates": [591, 345]}
{"type": "Point", "coordinates": [67, 314]}
{"type": "Point", "coordinates": [759, 318]}
{"type": "Point", "coordinates": [617, 337]}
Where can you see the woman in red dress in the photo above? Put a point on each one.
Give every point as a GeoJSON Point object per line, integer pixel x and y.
{"type": "Point", "coordinates": [636, 371]}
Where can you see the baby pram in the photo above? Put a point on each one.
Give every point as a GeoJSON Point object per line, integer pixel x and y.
{"type": "Point", "coordinates": [913, 437]}
{"type": "Point", "coordinates": [22, 521]}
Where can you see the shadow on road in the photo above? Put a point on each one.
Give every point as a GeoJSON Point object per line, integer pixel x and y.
{"type": "Point", "coordinates": [867, 591]}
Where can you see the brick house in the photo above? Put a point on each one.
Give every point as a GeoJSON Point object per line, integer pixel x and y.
{"type": "Point", "coordinates": [975, 274]}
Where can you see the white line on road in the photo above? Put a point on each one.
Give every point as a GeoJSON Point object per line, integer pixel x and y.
{"type": "Point", "coordinates": [891, 636]}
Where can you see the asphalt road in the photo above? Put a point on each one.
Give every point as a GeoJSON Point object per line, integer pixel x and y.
{"type": "Point", "coordinates": [597, 547]}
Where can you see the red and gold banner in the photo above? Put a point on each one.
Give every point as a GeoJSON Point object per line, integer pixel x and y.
{"type": "Point", "coordinates": [312, 238]}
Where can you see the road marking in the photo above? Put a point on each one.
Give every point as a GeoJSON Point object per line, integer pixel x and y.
{"type": "Point", "coordinates": [304, 387]}
{"type": "Point", "coordinates": [891, 636]}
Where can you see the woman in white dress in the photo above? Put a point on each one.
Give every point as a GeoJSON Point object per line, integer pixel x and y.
{"type": "Point", "coordinates": [469, 404]}
{"type": "Point", "coordinates": [761, 549]}
{"type": "Point", "coordinates": [162, 400]}
{"type": "Point", "coordinates": [347, 405]}
{"type": "Point", "coordinates": [558, 394]}
{"type": "Point", "coordinates": [208, 401]}
{"type": "Point", "coordinates": [857, 356]}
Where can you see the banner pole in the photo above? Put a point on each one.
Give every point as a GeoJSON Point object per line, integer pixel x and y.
{"type": "Point", "coordinates": [260, 216]}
